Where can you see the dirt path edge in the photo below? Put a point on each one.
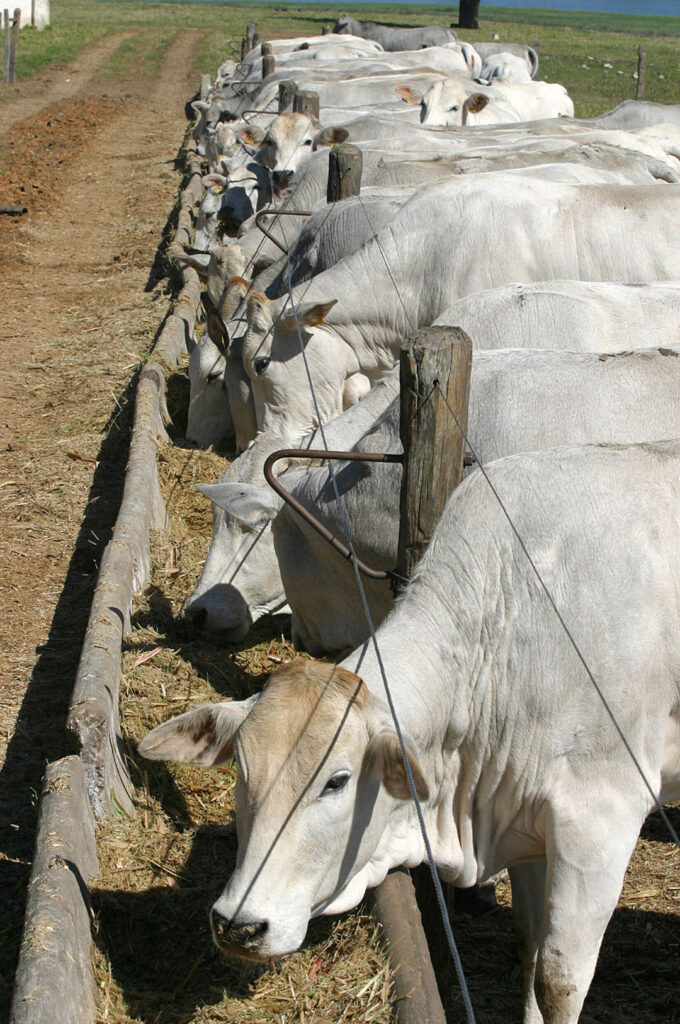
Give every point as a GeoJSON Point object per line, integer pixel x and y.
{"type": "Point", "coordinates": [54, 980]}
{"type": "Point", "coordinates": [94, 717]}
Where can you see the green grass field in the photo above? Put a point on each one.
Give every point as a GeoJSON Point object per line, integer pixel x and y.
{"type": "Point", "coordinates": [575, 48]}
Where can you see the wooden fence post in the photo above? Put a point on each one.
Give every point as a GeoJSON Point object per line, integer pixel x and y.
{"type": "Point", "coordinates": [307, 103]}
{"type": "Point", "coordinates": [16, 25]}
{"type": "Point", "coordinates": [5, 57]}
{"type": "Point", "coordinates": [344, 172]}
{"type": "Point", "coordinates": [642, 72]}
{"type": "Point", "coordinates": [287, 91]}
{"type": "Point", "coordinates": [433, 465]}
{"type": "Point", "coordinates": [416, 995]}
{"type": "Point", "coordinates": [266, 48]}
{"type": "Point", "coordinates": [268, 65]}
{"type": "Point", "coordinates": [257, 38]}
{"type": "Point", "coordinates": [33, 13]}
{"type": "Point", "coordinates": [433, 445]}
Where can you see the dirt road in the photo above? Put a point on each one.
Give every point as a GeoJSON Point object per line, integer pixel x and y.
{"type": "Point", "coordinates": [93, 160]}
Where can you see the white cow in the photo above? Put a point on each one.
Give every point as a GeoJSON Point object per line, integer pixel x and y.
{"type": "Point", "coordinates": [286, 146]}
{"type": "Point", "coordinates": [586, 316]}
{"type": "Point", "coordinates": [519, 401]}
{"type": "Point", "coordinates": [348, 328]}
{"type": "Point", "coordinates": [504, 67]}
{"type": "Point", "coordinates": [240, 581]}
{"type": "Point", "coordinates": [453, 102]}
{"type": "Point", "coordinates": [513, 756]}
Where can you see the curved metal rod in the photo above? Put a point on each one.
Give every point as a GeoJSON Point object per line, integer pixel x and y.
{"type": "Point", "coordinates": [310, 453]}
{"type": "Point", "coordinates": [279, 213]}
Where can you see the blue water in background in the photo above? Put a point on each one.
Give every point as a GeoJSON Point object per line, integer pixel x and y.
{"type": "Point", "coordinates": [663, 7]}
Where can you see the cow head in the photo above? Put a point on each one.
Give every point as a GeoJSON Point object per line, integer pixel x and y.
{"type": "Point", "coordinates": [240, 581]}
{"type": "Point", "coordinates": [209, 419]}
{"type": "Point", "coordinates": [320, 795]}
{"type": "Point", "coordinates": [288, 144]}
{"type": "Point", "coordinates": [447, 103]}
{"type": "Point", "coordinates": [347, 26]}
{"type": "Point", "coordinates": [273, 360]}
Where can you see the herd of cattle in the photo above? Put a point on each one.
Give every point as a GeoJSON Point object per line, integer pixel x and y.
{"type": "Point", "coordinates": [554, 243]}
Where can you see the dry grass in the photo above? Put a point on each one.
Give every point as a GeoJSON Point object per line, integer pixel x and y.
{"type": "Point", "coordinates": [161, 871]}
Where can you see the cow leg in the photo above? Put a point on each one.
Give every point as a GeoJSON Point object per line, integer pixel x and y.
{"type": "Point", "coordinates": [586, 863]}
{"type": "Point", "coordinates": [528, 900]}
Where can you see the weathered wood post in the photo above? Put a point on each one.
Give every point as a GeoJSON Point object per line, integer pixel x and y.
{"type": "Point", "coordinates": [434, 448]}
{"type": "Point", "coordinates": [268, 65]}
{"type": "Point", "coordinates": [16, 25]}
{"type": "Point", "coordinates": [307, 103]}
{"type": "Point", "coordinates": [206, 86]}
{"type": "Point", "coordinates": [416, 995]}
{"type": "Point", "coordinates": [5, 56]}
{"type": "Point", "coordinates": [433, 358]}
{"type": "Point", "coordinates": [257, 38]}
{"type": "Point", "coordinates": [247, 41]}
{"type": "Point", "coordinates": [344, 172]}
{"type": "Point", "coordinates": [266, 48]}
{"type": "Point", "coordinates": [325, 30]}
{"type": "Point", "coordinates": [642, 72]}
{"type": "Point", "coordinates": [33, 13]}
{"type": "Point", "coordinates": [287, 91]}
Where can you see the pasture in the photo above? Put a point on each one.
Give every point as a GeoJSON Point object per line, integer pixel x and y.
{"type": "Point", "coordinates": [161, 870]}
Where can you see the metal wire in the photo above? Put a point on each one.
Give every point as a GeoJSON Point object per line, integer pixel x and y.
{"type": "Point", "coordinates": [565, 627]}
{"type": "Point", "coordinates": [673, 834]}
{"type": "Point", "coordinates": [388, 693]}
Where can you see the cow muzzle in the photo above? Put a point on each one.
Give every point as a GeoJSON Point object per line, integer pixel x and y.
{"type": "Point", "coordinates": [281, 180]}
{"type": "Point", "coordinates": [242, 939]}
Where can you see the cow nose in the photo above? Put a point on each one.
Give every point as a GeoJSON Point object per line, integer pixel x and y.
{"type": "Point", "coordinates": [245, 934]}
{"type": "Point", "coordinates": [197, 616]}
{"type": "Point", "coordinates": [281, 179]}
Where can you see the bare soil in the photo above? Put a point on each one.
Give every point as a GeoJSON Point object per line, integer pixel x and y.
{"type": "Point", "coordinates": [83, 292]}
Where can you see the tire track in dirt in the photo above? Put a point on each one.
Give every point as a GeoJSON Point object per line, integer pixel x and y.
{"type": "Point", "coordinates": [80, 310]}
{"type": "Point", "coordinates": [45, 88]}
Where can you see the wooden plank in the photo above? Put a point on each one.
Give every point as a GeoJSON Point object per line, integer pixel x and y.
{"type": "Point", "coordinates": [414, 983]}
{"type": "Point", "coordinates": [433, 444]}
{"type": "Point", "coordinates": [307, 102]}
{"type": "Point", "coordinates": [344, 172]}
{"type": "Point", "coordinates": [642, 72]}
{"type": "Point", "coordinates": [14, 43]}
{"type": "Point", "coordinates": [287, 91]}
{"type": "Point", "coordinates": [54, 980]}
{"type": "Point", "coordinates": [5, 57]}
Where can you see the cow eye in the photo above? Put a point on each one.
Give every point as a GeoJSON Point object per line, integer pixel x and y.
{"type": "Point", "coordinates": [454, 107]}
{"type": "Point", "coordinates": [308, 142]}
{"type": "Point", "coordinates": [261, 364]}
{"type": "Point", "coordinates": [336, 783]}
{"type": "Point", "coordinates": [213, 375]}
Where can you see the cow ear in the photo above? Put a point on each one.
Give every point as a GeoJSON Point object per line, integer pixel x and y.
{"type": "Point", "coordinates": [409, 95]}
{"type": "Point", "coordinates": [330, 136]}
{"type": "Point", "coordinates": [252, 136]}
{"type": "Point", "coordinates": [310, 315]}
{"type": "Point", "coordinates": [215, 181]}
{"type": "Point", "coordinates": [476, 102]}
{"type": "Point", "coordinates": [198, 260]}
{"type": "Point", "coordinates": [217, 332]}
{"type": "Point", "coordinates": [199, 105]}
{"type": "Point", "coordinates": [384, 756]}
{"type": "Point", "coordinates": [253, 505]}
{"type": "Point", "coordinates": [205, 735]}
